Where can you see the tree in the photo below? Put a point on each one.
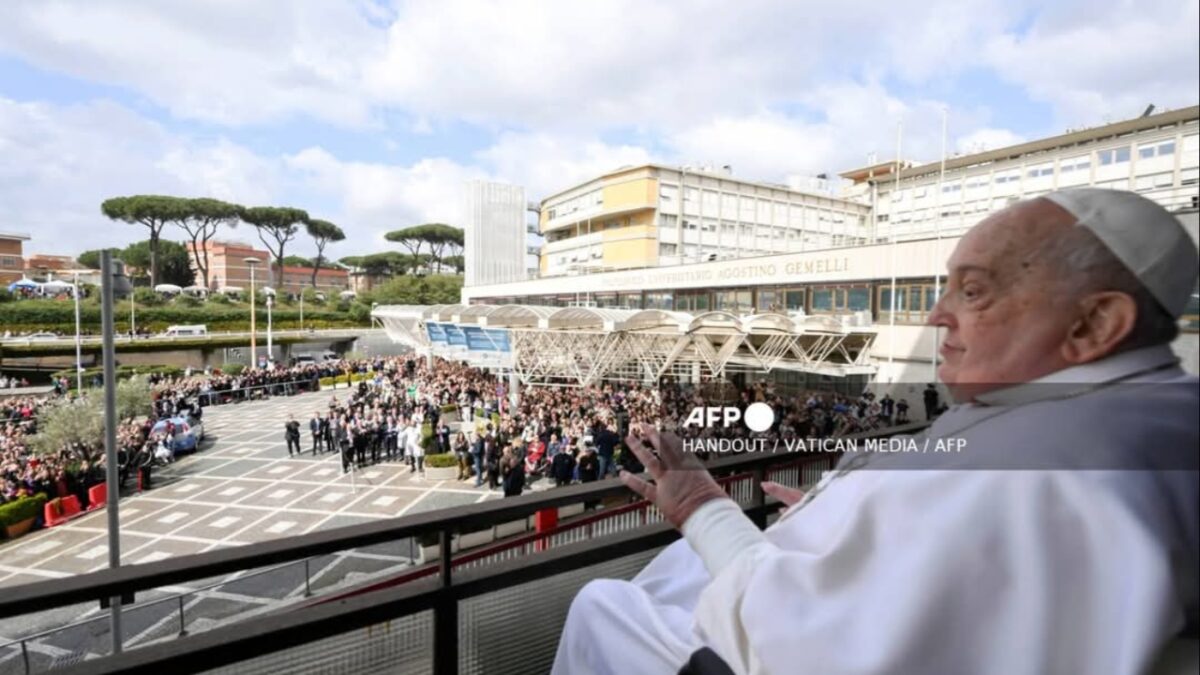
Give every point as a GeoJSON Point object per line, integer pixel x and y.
{"type": "Point", "coordinates": [279, 224]}
{"type": "Point", "coordinates": [297, 261]}
{"type": "Point", "coordinates": [90, 258]}
{"type": "Point", "coordinates": [152, 211]}
{"type": "Point", "coordinates": [173, 261]}
{"type": "Point", "coordinates": [323, 232]}
{"type": "Point", "coordinates": [456, 261]}
{"type": "Point", "coordinates": [440, 236]}
{"type": "Point", "coordinates": [411, 238]}
{"type": "Point", "coordinates": [203, 217]}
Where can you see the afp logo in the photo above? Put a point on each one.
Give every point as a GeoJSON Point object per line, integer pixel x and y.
{"type": "Point", "coordinates": [759, 416]}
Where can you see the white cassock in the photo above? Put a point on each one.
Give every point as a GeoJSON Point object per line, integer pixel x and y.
{"type": "Point", "coordinates": [1084, 565]}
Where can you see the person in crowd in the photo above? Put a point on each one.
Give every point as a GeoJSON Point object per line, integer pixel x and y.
{"type": "Point", "coordinates": [930, 396]}
{"type": "Point", "coordinates": [462, 453]}
{"type": "Point", "coordinates": [314, 428]}
{"type": "Point", "coordinates": [291, 433]}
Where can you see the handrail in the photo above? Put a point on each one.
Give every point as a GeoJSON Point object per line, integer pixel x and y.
{"type": "Point", "coordinates": [37, 596]}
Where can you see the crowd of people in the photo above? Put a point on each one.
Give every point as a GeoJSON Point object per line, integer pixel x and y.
{"type": "Point", "coordinates": [403, 408]}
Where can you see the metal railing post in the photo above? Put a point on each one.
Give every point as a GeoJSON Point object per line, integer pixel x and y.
{"type": "Point", "coordinates": [307, 588]}
{"type": "Point", "coordinates": [759, 498]}
{"type": "Point", "coordinates": [25, 656]}
{"type": "Point", "coordinates": [445, 614]}
{"type": "Point", "coordinates": [182, 625]}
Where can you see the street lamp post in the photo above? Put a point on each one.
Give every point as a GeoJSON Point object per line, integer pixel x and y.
{"type": "Point", "coordinates": [251, 262]}
{"type": "Point", "coordinates": [78, 340]}
{"type": "Point", "coordinates": [270, 344]}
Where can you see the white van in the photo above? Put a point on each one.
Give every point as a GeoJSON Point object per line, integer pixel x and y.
{"type": "Point", "coordinates": [180, 331]}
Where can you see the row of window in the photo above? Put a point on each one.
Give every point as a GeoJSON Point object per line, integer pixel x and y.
{"type": "Point", "coordinates": [912, 303]}
{"type": "Point", "coordinates": [1106, 157]}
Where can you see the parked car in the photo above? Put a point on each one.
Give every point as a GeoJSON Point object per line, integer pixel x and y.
{"type": "Point", "coordinates": [188, 432]}
{"type": "Point", "coordinates": [42, 336]}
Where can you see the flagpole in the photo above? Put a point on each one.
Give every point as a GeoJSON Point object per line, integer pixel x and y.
{"type": "Point", "coordinates": [937, 276]}
{"type": "Point", "coordinates": [892, 252]}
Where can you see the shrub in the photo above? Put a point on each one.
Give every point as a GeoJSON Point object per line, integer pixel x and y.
{"type": "Point", "coordinates": [186, 301]}
{"type": "Point", "coordinates": [123, 372]}
{"type": "Point", "coordinates": [233, 368]}
{"type": "Point", "coordinates": [147, 297]}
{"type": "Point", "coordinates": [220, 299]}
{"type": "Point", "coordinates": [21, 509]}
{"type": "Point", "coordinates": [441, 461]}
{"type": "Point", "coordinates": [6, 295]}
{"type": "Point", "coordinates": [360, 313]}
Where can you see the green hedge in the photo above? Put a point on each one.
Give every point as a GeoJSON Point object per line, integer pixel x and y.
{"type": "Point", "coordinates": [123, 372]}
{"type": "Point", "coordinates": [352, 378]}
{"type": "Point", "coordinates": [441, 461]}
{"type": "Point", "coordinates": [22, 509]}
{"type": "Point", "coordinates": [49, 315]}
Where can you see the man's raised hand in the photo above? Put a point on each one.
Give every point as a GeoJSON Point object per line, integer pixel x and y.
{"type": "Point", "coordinates": [681, 483]}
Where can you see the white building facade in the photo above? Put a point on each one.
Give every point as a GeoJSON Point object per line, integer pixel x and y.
{"type": "Point", "coordinates": [493, 233]}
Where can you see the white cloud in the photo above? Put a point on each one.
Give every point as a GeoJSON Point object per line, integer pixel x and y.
{"type": "Point", "coordinates": [1097, 64]}
{"type": "Point", "coordinates": [545, 163]}
{"type": "Point", "coordinates": [588, 65]}
{"type": "Point", "coordinates": [57, 164]}
{"type": "Point", "coordinates": [230, 62]}
{"type": "Point", "coordinates": [376, 198]}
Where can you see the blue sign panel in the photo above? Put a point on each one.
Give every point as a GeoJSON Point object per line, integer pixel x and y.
{"type": "Point", "coordinates": [454, 335]}
{"type": "Point", "coordinates": [499, 339]}
{"type": "Point", "coordinates": [437, 333]}
{"type": "Point", "coordinates": [476, 341]}
{"type": "Point", "coordinates": [486, 339]}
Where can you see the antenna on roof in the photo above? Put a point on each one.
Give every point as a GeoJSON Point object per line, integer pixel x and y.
{"type": "Point", "coordinates": [1149, 109]}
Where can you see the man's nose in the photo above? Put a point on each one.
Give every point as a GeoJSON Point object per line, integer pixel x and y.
{"type": "Point", "coordinates": [942, 314]}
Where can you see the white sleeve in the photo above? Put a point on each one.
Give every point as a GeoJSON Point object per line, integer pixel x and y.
{"type": "Point", "coordinates": [938, 572]}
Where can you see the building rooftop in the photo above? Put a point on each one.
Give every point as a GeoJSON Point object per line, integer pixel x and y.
{"type": "Point", "coordinates": [1072, 137]}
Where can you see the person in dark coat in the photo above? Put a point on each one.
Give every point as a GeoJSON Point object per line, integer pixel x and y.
{"type": "Point", "coordinates": [291, 433]}
{"type": "Point", "coordinates": [562, 467]}
{"type": "Point", "coordinates": [931, 401]}
{"type": "Point", "coordinates": [314, 428]}
{"type": "Point", "coordinates": [514, 476]}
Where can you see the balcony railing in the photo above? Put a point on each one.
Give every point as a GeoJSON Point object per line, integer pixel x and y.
{"type": "Point", "coordinates": [494, 611]}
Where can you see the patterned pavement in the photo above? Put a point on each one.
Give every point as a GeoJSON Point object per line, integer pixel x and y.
{"type": "Point", "coordinates": [240, 488]}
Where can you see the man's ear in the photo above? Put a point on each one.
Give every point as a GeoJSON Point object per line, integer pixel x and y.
{"type": "Point", "coordinates": [1105, 320]}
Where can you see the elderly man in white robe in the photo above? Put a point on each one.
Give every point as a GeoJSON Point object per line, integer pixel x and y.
{"type": "Point", "coordinates": [1062, 539]}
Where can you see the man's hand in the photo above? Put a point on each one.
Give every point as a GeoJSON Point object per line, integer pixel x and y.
{"type": "Point", "coordinates": [783, 493]}
{"type": "Point", "coordinates": [681, 483]}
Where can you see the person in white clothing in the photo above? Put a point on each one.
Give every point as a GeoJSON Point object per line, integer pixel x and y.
{"type": "Point", "coordinates": [416, 453]}
{"type": "Point", "coordinates": [1063, 538]}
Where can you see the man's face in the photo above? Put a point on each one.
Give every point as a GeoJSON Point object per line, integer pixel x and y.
{"type": "Point", "coordinates": [1003, 310]}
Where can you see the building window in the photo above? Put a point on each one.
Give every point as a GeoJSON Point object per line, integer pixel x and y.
{"type": "Point", "coordinates": [692, 301]}
{"type": "Point", "coordinates": [850, 298]}
{"type": "Point", "coordinates": [914, 302]}
{"type": "Point", "coordinates": [769, 300]}
{"type": "Point", "coordinates": [734, 301]}
{"type": "Point", "coordinates": [659, 300]}
{"type": "Point", "coordinates": [1159, 150]}
{"type": "Point", "coordinates": [1113, 156]}
{"type": "Point", "coordinates": [793, 299]}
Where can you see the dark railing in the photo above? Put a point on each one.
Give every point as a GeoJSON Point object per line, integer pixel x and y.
{"type": "Point", "coordinates": [441, 593]}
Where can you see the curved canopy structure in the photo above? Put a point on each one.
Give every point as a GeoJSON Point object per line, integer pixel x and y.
{"type": "Point", "coordinates": [583, 345]}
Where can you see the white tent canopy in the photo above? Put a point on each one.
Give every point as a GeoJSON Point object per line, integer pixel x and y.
{"type": "Point", "coordinates": [168, 288]}
{"type": "Point", "coordinates": [582, 345]}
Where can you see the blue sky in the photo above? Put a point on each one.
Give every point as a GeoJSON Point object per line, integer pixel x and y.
{"type": "Point", "coordinates": [372, 114]}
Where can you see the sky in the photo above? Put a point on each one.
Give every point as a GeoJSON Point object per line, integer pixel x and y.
{"type": "Point", "coordinates": [372, 114]}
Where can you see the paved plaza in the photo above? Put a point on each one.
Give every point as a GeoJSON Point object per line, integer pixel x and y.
{"type": "Point", "coordinates": [240, 488]}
